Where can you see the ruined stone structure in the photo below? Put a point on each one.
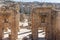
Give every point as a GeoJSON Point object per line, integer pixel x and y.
{"type": "Point", "coordinates": [9, 18]}
{"type": "Point", "coordinates": [46, 17]}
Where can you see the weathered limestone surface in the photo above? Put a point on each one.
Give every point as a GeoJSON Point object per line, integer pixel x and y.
{"type": "Point", "coordinates": [51, 23]}
{"type": "Point", "coordinates": [49, 27]}
{"type": "Point", "coordinates": [58, 26]}
{"type": "Point", "coordinates": [1, 27]}
{"type": "Point", "coordinates": [34, 27]}
{"type": "Point", "coordinates": [9, 18]}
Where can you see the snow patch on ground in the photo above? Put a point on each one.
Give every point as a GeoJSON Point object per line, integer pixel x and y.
{"type": "Point", "coordinates": [25, 32]}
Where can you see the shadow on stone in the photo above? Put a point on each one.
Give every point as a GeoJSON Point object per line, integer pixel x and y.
{"type": "Point", "coordinates": [41, 38]}
{"type": "Point", "coordinates": [29, 37]}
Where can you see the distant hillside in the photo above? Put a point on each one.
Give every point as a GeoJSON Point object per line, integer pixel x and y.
{"type": "Point", "coordinates": [26, 6]}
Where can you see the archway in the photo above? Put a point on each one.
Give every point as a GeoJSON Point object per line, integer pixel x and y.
{"type": "Point", "coordinates": [42, 17]}
{"type": "Point", "coordinates": [9, 16]}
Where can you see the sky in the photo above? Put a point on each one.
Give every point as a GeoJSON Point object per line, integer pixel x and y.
{"type": "Point", "coordinates": [53, 1]}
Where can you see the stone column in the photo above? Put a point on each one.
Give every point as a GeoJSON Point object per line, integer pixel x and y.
{"type": "Point", "coordinates": [54, 25]}
{"type": "Point", "coordinates": [34, 27]}
{"type": "Point", "coordinates": [17, 21]}
{"type": "Point", "coordinates": [1, 28]}
{"type": "Point", "coordinates": [49, 28]}
{"type": "Point", "coordinates": [14, 31]}
{"type": "Point", "coordinates": [58, 26]}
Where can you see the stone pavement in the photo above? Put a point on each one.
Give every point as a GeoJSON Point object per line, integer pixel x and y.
{"type": "Point", "coordinates": [24, 33]}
